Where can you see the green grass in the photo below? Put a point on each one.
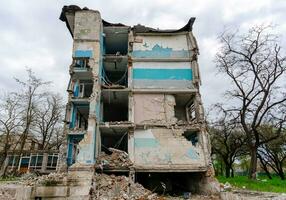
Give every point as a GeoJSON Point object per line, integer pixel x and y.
{"type": "Point", "coordinates": [8, 179]}
{"type": "Point", "coordinates": [262, 184]}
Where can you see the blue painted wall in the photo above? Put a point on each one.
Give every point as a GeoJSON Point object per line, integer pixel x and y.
{"type": "Point", "coordinates": [146, 142]}
{"type": "Point", "coordinates": [83, 53]}
{"type": "Point", "coordinates": [160, 52]}
{"type": "Point", "coordinates": [163, 74]}
{"type": "Point", "coordinates": [76, 89]}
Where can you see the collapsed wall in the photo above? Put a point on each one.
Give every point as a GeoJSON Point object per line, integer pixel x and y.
{"type": "Point", "coordinates": [135, 90]}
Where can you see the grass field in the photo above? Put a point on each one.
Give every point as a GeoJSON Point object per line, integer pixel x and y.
{"type": "Point", "coordinates": [262, 184]}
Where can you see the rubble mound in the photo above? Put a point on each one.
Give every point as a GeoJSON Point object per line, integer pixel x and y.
{"type": "Point", "coordinates": [117, 159]}
{"type": "Point", "coordinates": [111, 187]}
{"type": "Point", "coordinates": [45, 180]}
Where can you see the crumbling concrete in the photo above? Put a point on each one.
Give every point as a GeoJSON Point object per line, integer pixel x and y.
{"type": "Point", "coordinates": [115, 160]}
{"type": "Point", "coordinates": [145, 101]}
{"type": "Point", "coordinates": [120, 187]}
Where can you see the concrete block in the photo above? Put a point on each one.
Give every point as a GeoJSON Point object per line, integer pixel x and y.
{"type": "Point", "coordinates": [23, 193]}
{"type": "Point", "coordinates": [51, 191]}
{"type": "Point", "coordinates": [85, 197]}
{"type": "Point", "coordinates": [79, 191]}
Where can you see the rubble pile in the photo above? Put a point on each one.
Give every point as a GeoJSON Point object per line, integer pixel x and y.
{"type": "Point", "coordinates": [118, 159]}
{"type": "Point", "coordinates": [111, 187]}
{"type": "Point", "coordinates": [7, 193]}
{"type": "Point", "coordinates": [47, 180]}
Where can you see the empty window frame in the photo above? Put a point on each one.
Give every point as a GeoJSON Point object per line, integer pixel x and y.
{"type": "Point", "coordinates": [116, 140]}
{"type": "Point", "coordinates": [116, 40]}
{"type": "Point", "coordinates": [81, 63]}
{"type": "Point", "coordinates": [115, 106]}
{"type": "Point", "coordinates": [79, 118]}
{"type": "Point", "coordinates": [115, 72]}
{"type": "Point", "coordinates": [185, 108]}
{"type": "Point", "coordinates": [82, 88]}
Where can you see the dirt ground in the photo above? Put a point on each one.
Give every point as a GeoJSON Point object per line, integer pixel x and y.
{"type": "Point", "coordinates": [234, 195]}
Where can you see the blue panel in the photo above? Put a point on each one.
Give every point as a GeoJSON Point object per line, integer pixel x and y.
{"type": "Point", "coordinates": [76, 89]}
{"type": "Point", "coordinates": [69, 158]}
{"type": "Point", "coordinates": [146, 142]}
{"type": "Point", "coordinates": [83, 53]}
{"type": "Point", "coordinates": [163, 74]}
{"type": "Point", "coordinates": [73, 117]}
{"type": "Point", "coordinates": [160, 52]}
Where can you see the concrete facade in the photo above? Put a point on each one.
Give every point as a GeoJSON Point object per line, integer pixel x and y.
{"type": "Point", "coordinates": [137, 89]}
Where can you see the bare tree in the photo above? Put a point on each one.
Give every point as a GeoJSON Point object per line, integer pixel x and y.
{"type": "Point", "coordinates": [255, 64]}
{"type": "Point", "coordinates": [29, 96]}
{"type": "Point", "coordinates": [48, 122]}
{"type": "Point", "coordinates": [9, 125]}
{"type": "Point", "coordinates": [227, 140]}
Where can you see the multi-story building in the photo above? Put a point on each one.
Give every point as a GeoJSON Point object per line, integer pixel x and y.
{"type": "Point", "coordinates": [136, 89]}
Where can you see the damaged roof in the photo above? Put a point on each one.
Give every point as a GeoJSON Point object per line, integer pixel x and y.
{"type": "Point", "coordinates": [68, 12]}
{"type": "Point", "coordinates": [143, 29]}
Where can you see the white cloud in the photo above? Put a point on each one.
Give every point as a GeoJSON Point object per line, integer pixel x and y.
{"type": "Point", "coordinates": [32, 35]}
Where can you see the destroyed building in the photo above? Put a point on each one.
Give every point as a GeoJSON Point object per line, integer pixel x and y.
{"type": "Point", "coordinates": [135, 89]}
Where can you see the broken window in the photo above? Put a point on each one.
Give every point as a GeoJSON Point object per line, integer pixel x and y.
{"type": "Point", "coordinates": [115, 72]}
{"type": "Point", "coordinates": [81, 63]}
{"type": "Point", "coordinates": [191, 111]}
{"type": "Point", "coordinates": [116, 40]}
{"type": "Point", "coordinates": [79, 118]}
{"type": "Point", "coordinates": [192, 136]}
{"type": "Point", "coordinates": [185, 108]}
{"type": "Point", "coordinates": [82, 88]}
{"type": "Point", "coordinates": [113, 139]}
{"type": "Point", "coordinates": [73, 141]}
{"type": "Point", "coordinates": [115, 106]}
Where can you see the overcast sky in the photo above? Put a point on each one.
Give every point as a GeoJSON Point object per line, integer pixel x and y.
{"type": "Point", "coordinates": [31, 34]}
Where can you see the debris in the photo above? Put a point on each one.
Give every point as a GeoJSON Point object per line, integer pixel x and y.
{"type": "Point", "coordinates": [187, 195]}
{"type": "Point", "coordinates": [120, 187]}
{"type": "Point", "coordinates": [46, 180]}
{"type": "Point", "coordinates": [117, 159]}
{"type": "Point", "coordinates": [227, 186]}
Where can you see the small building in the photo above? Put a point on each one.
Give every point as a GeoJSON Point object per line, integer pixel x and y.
{"type": "Point", "coordinates": [31, 158]}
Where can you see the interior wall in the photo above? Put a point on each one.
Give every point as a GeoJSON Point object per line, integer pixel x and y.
{"type": "Point", "coordinates": [158, 108]}
{"type": "Point", "coordinates": [166, 148]}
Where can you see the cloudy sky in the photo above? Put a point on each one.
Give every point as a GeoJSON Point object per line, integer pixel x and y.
{"type": "Point", "coordinates": [31, 35]}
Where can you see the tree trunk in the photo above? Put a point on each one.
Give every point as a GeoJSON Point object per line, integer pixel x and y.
{"type": "Point", "coordinates": [232, 172]}
{"type": "Point", "coordinates": [227, 171]}
{"type": "Point", "coordinates": [4, 167]}
{"type": "Point", "coordinates": [281, 173]}
{"type": "Point", "coordinates": [253, 163]}
{"type": "Point", "coordinates": [267, 173]}
{"type": "Point", "coordinates": [264, 166]}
